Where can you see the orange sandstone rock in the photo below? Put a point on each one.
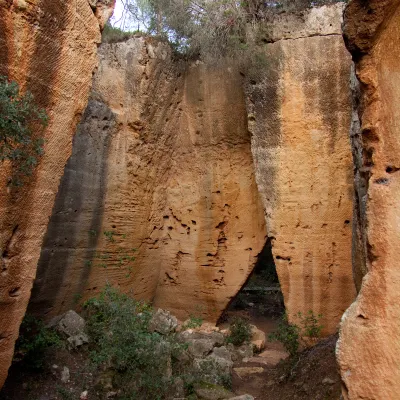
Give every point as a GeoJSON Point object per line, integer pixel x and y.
{"type": "Point", "coordinates": [162, 162]}
{"type": "Point", "coordinates": [299, 116]}
{"type": "Point", "coordinates": [368, 350]}
{"type": "Point", "coordinates": [49, 47]}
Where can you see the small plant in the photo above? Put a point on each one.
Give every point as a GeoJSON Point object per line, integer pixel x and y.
{"type": "Point", "coordinates": [311, 328]}
{"type": "Point", "coordinates": [109, 235]}
{"type": "Point", "coordinates": [21, 127]}
{"type": "Point", "coordinates": [193, 322]}
{"type": "Point", "coordinates": [33, 341]}
{"type": "Point", "coordinates": [77, 298]}
{"type": "Point", "coordinates": [288, 334]}
{"type": "Point", "coordinates": [240, 332]}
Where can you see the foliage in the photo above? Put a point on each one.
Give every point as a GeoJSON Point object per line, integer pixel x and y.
{"type": "Point", "coordinates": [109, 235]}
{"type": "Point", "coordinates": [240, 332]}
{"type": "Point", "coordinates": [142, 364]}
{"type": "Point", "coordinates": [21, 126]}
{"type": "Point", "coordinates": [33, 341]}
{"type": "Point", "coordinates": [210, 29]}
{"type": "Point", "coordinates": [113, 34]}
{"type": "Point", "coordinates": [193, 322]}
{"type": "Point", "coordinates": [290, 334]}
{"type": "Point", "coordinates": [119, 330]}
{"type": "Point", "coordinates": [310, 324]}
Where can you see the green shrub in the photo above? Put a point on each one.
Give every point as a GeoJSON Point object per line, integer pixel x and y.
{"type": "Point", "coordinates": [311, 328]}
{"type": "Point", "coordinates": [119, 330]}
{"type": "Point", "coordinates": [193, 322]}
{"type": "Point", "coordinates": [33, 341]}
{"type": "Point", "coordinates": [21, 126]}
{"type": "Point", "coordinates": [141, 364]}
{"type": "Point", "coordinates": [288, 334]}
{"type": "Point", "coordinates": [112, 34]}
{"type": "Point", "coordinates": [240, 332]}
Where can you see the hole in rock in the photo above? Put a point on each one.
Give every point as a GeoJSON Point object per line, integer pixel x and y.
{"type": "Point", "coordinates": [15, 292]}
{"type": "Point", "coordinates": [260, 299]}
{"type": "Point", "coordinates": [392, 170]}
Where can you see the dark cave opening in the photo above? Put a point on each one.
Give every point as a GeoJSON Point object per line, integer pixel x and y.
{"type": "Point", "coordinates": [260, 298]}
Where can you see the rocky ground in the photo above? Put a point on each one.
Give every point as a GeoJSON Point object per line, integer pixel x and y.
{"type": "Point", "coordinates": [270, 374]}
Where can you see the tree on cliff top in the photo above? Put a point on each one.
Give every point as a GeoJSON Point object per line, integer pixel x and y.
{"type": "Point", "coordinates": [209, 28]}
{"type": "Point", "coordinates": [21, 124]}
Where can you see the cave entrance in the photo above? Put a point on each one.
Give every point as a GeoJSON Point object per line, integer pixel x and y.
{"type": "Point", "coordinates": [260, 299]}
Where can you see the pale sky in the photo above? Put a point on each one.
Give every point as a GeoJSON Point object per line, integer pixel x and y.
{"type": "Point", "coordinates": [117, 12]}
{"type": "Point", "coordinates": [120, 23]}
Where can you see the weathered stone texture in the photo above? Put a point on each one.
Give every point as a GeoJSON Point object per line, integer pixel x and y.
{"type": "Point", "coordinates": [299, 116]}
{"type": "Point", "coordinates": [369, 348]}
{"type": "Point", "coordinates": [170, 147]}
{"type": "Point", "coordinates": [49, 47]}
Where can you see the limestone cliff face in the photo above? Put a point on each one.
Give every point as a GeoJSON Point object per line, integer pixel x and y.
{"type": "Point", "coordinates": [161, 171]}
{"type": "Point", "coordinates": [369, 349]}
{"type": "Point", "coordinates": [299, 116]}
{"type": "Point", "coordinates": [49, 47]}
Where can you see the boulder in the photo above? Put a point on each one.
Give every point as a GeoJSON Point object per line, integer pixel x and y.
{"type": "Point", "coordinates": [199, 348]}
{"type": "Point", "coordinates": [245, 350]}
{"type": "Point", "coordinates": [212, 392]}
{"type": "Point", "coordinates": [163, 322]}
{"type": "Point", "coordinates": [65, 375]}
{"type": "Point", "coordinates": [72, 326]}
{"type": "Point", "coordinates": [77, 340]}
{"type": "Point", "coordinates": [222, 352]}
{"type": "Point", "coordinates": [217, 338]}
{"type": "Point", "coordinates": [223, 365]}
{"type": "Point", "coordinates": [271, 356]}
{"type": "Point", "coordinates": [213, 369]}
{"type": "Point", "coordinates": [244, 372]}
{"type": "Point", "coordinates": [258, 338]}
{"type": "Point", "coordinates": [242, 397]}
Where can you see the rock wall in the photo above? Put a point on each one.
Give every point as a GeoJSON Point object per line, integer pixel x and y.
{"type": "Point", "coordinates": [49, 47]}
{"type": "Point", "coordinates": [299, 116]}
{"type": "Point", "coordinates": [368, 350]}
{"type": "Point", "coordinates": [161, 171]}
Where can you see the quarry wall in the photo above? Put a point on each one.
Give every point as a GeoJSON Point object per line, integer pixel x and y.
{"type": "Point", "coordinates": [49, 48]}
{"type": "Point", "coordinates": [368, 348]}
{"type": "Point", "coordinates": [164, 171]}
{"type": "Point", "coordinates": [299, 116]}
{"type": "Point", "coordinates": [177, 176]}
{"type": "Point", "coordinates": [161, 172]}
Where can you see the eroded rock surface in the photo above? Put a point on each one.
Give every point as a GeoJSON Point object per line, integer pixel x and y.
{"type": "Point", "coordinates": [162, 172]}
{"type": "Point", "coordinates": [368, 349]}
{"type": "Point", "coordinates": [49, 47]}
{"type": "Point", "coordinates": [299, 116]}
